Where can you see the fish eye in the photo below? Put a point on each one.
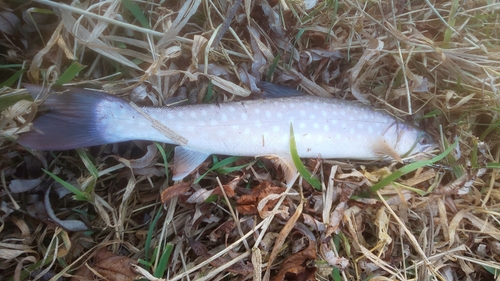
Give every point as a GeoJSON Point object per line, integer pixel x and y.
{"type": "Point", "coordinates": [424, 140]}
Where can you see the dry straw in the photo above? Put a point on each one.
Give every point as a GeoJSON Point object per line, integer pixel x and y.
{"type": "Point", "coordinates": [434, 62]}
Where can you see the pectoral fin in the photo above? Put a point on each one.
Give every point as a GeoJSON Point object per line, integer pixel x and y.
{"type": "Point", "coordinates": [383, 148]}
{"type": "Point", "coordinates": [186, 161]}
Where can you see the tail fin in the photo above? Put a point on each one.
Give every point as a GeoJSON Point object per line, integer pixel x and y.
{"type": "Point", "coordinates": [71, 122]}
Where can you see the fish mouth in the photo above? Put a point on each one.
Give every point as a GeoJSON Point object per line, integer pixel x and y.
{"type": "Point", "coordinates": [426, 151]}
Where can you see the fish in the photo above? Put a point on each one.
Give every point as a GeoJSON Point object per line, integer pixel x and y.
{"type": "Point", "coordinates": [326, 128]}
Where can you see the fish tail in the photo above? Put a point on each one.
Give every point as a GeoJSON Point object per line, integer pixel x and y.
{"type": "Point", "coordinates": [71, 121]}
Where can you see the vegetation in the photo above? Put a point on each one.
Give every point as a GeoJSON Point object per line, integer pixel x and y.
{"type": "Point", "coordinates": [113, 211]}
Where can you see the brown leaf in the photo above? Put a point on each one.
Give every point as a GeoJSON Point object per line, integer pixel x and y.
{"type": "Point", "coordinates": [227, 189]}
{"type": "Point", "coordinates": [247, 204]}
{"type": "Point", "coordinates": [295, 266]}
{"type": "Point", "coordinates": [224, 228]}
{"type": "Point", "coordinates": [281, 238]}
{"type": "Point", "coordinates": [108, 265]}
{"type": "Point", "coordinates": [174, 191]}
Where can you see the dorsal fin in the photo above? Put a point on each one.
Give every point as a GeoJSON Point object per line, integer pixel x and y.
{"type": "Point", "coordinates": [271, 90]}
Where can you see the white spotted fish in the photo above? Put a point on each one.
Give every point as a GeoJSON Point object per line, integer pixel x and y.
{"type": "Point", "coordinates": [323, 127]}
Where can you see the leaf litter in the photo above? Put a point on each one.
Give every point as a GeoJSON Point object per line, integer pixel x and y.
{"type": "Point", "coordinates": [436, 62]}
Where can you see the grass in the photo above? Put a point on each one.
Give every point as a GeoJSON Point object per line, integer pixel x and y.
{"type": "Point", "coordinates": [435, 62]}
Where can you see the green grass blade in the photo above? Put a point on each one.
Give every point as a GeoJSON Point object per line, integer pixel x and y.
{"type": "Point", "coordinates": [151, 231]}
{"type": "Point", "coordinates": [79, 195]}
{"type": "Point", "coordinates": [135, 10]}
{"type": "Point", "coordinates": [11, 98]}
{"type": "Point", "coordinates": [162, 264]}
{"type": "Point", "coordinates": [219, 165]}
{"type": "Point", "coordinates": [409, 168]}
{"type": "Point", "coordinates": [298, 163]}
{"type": "Point", "coordinates": [70, 73]}
{"type": "Point", "coordinates": [210, 92]}
{"type": "Point", "coordinates": [89, 164]}
{"type": "Point", "coordinates": [165, 158]}
{"type": "Point", "coordinates": [12, 79]}
{"type": "Point", "coordinates": [227, 170]}
{"type": "Point", "coordinates": [273, 66]}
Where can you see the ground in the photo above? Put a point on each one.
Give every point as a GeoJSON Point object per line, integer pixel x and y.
{"type": "Point", "coordinates": [113, 211]}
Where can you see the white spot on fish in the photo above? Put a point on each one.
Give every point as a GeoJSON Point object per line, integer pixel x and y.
{"type": "Point", "coordinates": [170, 116]}
{"type": "Point", "coordinates": [316, 126]}
{"type": "Point", "coordinates": [235, 127]}
{"type": "Point", "coordinates": [315, 106]}
{"type": "Point", "coordinates": [302, 125]}
{"type": "Point", "coordinates": [221, 132]}
{"type": "Point", "coordinates": [224, 117]}
{"type": "Point", "coordinates": [192, 114]}
{"type": "Point", "coordinates": [180, 113]}
{"type": "Point", "coordinates": [323, 113]}
{"type": "Point", "coordinates": [246, 131]}
{"type": "Point", "coordinates": [276, 129]}
{"type": "Point", "coordinates": [370, 129]}
{"type": "Point", "coordinates": [343, 113]}
{"type": "Point", "coordinates": [257, 111]}
{"type": "Point", "coordinates": [231, 109]}
{"type": "Point", "coordinates": [190, 128]}
{"type": "Point", "coordinates": [280, 115]}
{"type": "Point", "coordinates": [312, 116]}
{"type": "Point", "coordinates": [268, 114]}
{"type": "Point", "coordinates": [338, 136]}
{"type": "Point", "coordinates": [360, 125]}
{"type": "Point", "coordinates": [292, 105]}
{"type": "Point", "coordinates": [204, 112]}
{"type": "Point", "coordinates": [244, 116]}
{"type": "Point", "coordinates": [326, 128]}
{"type": "Point", "coordinates": [351, 131]}
{"type": "Point", "coordinates": [213, 122]}
{"type": "Point", "coordinates": [258, 124]}
{"type": "Point", "coordinates": [334, 121]}
{"type": "Point", "coordinates": [302, 112]}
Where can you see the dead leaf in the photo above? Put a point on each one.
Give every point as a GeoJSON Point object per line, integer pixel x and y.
{"type": "Point", "coordinates": [224, 228]}
{"type": "Point", "coordinates": [22, 185]}
{"type": "Point", "coordinates": [108, 265]}
{"type": "Point", "coordinates": [174, 191]}
{"type": "Point", "coordinates": [9, 22]}
{"type": "Point", "coordinates": [281, 240]}
{"type": "Point", "coordinates": [199, 196]}
{"type": "Point", "coordinates": [247, 204]}
{"type": "Point", "coordinates": [332, 258]}
{"type": "Point", "coordinates": [295, 266]}
{"type": "Point", "coordinates": [228, 189]}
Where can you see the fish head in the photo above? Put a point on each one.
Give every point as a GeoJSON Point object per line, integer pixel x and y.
{"type": "Point", "coordinates": [414, 143]}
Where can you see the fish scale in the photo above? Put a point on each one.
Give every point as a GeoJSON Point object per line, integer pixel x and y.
{"type": "Point", "coordinates": [323, 127]}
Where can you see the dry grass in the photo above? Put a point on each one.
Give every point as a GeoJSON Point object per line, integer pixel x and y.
{"type": "Point", "coordinates": [436, 62]}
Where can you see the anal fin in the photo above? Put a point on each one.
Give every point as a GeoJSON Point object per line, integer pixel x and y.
{"type": "Point", "coordinates": [186, 161]}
